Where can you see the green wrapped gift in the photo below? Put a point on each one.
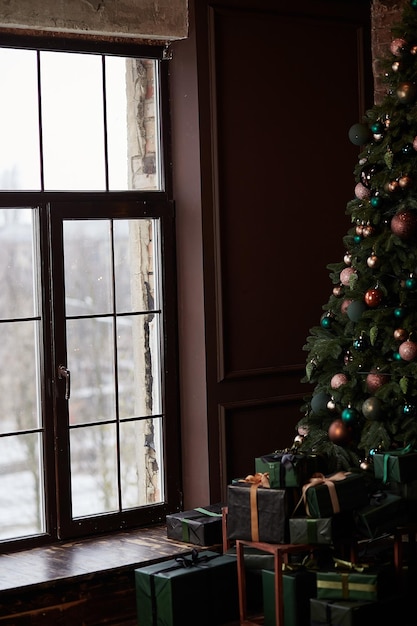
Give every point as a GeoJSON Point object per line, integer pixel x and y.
{"type": "Point", "coordinates": [298, 587]}
{"type": "Point", "coordinates": [342, 613]}
{"type": "Point", "coordinates": [398, 465]}
{"type": "Point", "coordinates": [201, 526]}
{"type": "Point", "coordinates": [198, 588]}
{"type": "Point", "coordinates": [286, 469]}
{"type": "Point", "coordinates": [325, 496]}
{"type": "Point", "coordinates": [311, 530]}
{"type": "Point", "coordinates": [384, 512]}
{"type": "Point", "coordinates": [369, 585]}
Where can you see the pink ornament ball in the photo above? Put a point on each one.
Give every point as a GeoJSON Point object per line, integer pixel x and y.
{"type": "Point", "coordinates": [415, 143]}
{"type": "Point", "coordinates": [338, 380]}
{"type": "Point", "coordinates": [361, 192]}
{"type": "Point", "coordinates": [375, 380]}
{"type": "Point", "coordinates": [408, 350]}
{"type": "Point", "coordinates": [345, 275]}
{"type": "Point", "coordinates": [345, 305]}
{"type": "Point", "coordinates": [397, 46]}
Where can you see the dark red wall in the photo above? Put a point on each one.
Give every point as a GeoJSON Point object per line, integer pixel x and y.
{"type": "Point", "coordinates": [265, 94]}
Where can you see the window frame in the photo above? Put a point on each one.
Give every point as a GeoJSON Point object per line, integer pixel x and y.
{"type": "Point", "coordinates": [146, 204]}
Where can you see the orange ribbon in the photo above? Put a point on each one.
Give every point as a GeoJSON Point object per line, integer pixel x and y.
{"type": "Point", "coordinates": [256, 480]}
{"type": "Point", "coordinates": [321, 479]}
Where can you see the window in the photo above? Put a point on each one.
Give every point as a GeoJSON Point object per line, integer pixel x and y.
{"type": "Point", "coordinates": [88, 398]}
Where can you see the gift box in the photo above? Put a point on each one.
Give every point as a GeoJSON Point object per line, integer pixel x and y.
{"type": "Point", "coordinates": [398, 465]}
{"type": "Point", "coordinates": [310, 530]}
{"type": "Point", "coordinates": [198, 588]}
{"type": "Point", "coordinates": [201, 526]}
{"type": "Point", "coordinates": [384, 512]}
{"type": "Point", "coordinates": [325, 496]}
{"type": "Point", "coordinates": [368, 585]}
{"type": "Point", "coordinates": [352, 613]}
{"type": "Point", "coordinates": [298, 587]}
{"type": "Point", "coordinates": [257, 513]}
{"type": "Point", "coordinates": [286, 469]}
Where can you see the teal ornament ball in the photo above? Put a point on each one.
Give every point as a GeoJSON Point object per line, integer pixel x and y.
{"type": "Point", "coordinates": [377, 128]}
{"type": "Point", "coordinates": [399, 312]}
{"type": "Point", "coordinates": [397, 356]}
{"type": "Point", "coordinates": [376, 201]}
{"type": "Point", "coordinates": [413, 4]}
{"type": "Point", "coordinates": [359, 134]}
{"type": "Point", "coordinates": [357, 238]}
{"type": "Point", "coordinates": [372, 408]}
{"type": "Point", "coordinates": [319, 402]}
{"type": "Point", "coordinates": [325, 321]}
{"type": "Point", "coordinates": [411, 282]}
{"type": "Point", "coordinates": [355, 310]}
{"type": "Point", "coordinates": [349, 415]}
{"type": "Point", "coordinates": [409, 409]}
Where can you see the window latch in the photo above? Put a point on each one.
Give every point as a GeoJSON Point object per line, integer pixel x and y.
{"type": "Point", "coordinates": [63, 372]}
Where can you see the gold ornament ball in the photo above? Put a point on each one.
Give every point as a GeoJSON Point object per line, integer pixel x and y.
{"type": "Point", "coordinates": [404, 182]}
{"type": "Point", "coordinates": [337, 291]}
{"type": "Point", "coordinates": [365, 465]}
{"type": "Point", "coordinates": [406, 92]}
{"type": "Point", "coordinates": [347, 258]}
{"type": "Point", "coordinates": [371, 408]}
{"type": "Point", "coordinates": [400, 334]}
{"type": "Point", "coordinates": [368, 230]}
{"type": "Point", "coordinates": [359, 227]}
{"type": "Point", "coordinates": [373, 261]}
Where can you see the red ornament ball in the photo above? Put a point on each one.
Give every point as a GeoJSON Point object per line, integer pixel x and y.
{"type": "Point", "coordinates": [408, 350]}
{"type": "Point", "coordinates": [338, 380]}
{"type": "Point", "coordinates": [373, 297]}
{"type": "Point", "coordinates": [339, 432]}
{"type": "Point", "coordinates": [345, 275]}
{"type": "Point", "coordinates": [404, 224]}
{"type": "Point", "coordinates": [375, 380]}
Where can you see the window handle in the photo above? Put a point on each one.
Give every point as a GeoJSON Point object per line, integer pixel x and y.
{"type": "Point", "coordinates": [63, 372]}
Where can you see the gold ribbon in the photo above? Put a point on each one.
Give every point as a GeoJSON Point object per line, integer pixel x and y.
{"type": "Point", "coordinates": [347, 565]}
{"type": "Point", "coordinates": [321, 479]}
{"type": "Point", "coordinates": [345, 586]}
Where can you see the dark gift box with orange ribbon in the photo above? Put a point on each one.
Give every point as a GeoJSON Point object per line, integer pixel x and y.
{"type": "Point", "coordinates": [201, 526]}
{"type": "Point", "coordinates": [257, 513]}
{"type": "Point", "coordinates": [325, 496]}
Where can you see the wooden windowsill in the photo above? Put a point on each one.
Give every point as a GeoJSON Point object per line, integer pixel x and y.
{"type": "Point", "coordinates": [86, 557]}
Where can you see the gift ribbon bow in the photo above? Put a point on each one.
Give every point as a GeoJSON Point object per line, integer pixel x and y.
{"type": "Point", "coordinates": [387, 456]}
{"type": "Point", "coordinates": [347, 565]}
{"type": "Point", "coordinates": [321, 479]}
{"type": "Point", "coordinates": [260, 479]}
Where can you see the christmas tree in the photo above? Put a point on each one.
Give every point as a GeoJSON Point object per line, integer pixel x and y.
{"type": "Point", "coordinates": [362, 357]}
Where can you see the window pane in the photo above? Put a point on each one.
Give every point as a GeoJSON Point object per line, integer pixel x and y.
{"type": "Point", "coordinates": [17, 263]}
{"type": "Point", "coordinates": [91, 363]}
{"type": "Point", "coordinates": [94, 470]}
{"type": "Point", "coordinates": [138, 365]}
{"type": "Point", "coordinates": [19, 392]}
{"type": "Point", "coordinates": [19, 121]}
{"type": "Point", "coordinates": [140, 455]}
{"type": "Point", "coordinates": [72, 121]}
{"type": "Point", "coordinates": [134, 249]}
{"type": "Point", "coordinates": [88, 262]}
{"type": "Point", "coordinates": [21, 486]}
{"type": "Point", "coordinates": [132, 124]}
